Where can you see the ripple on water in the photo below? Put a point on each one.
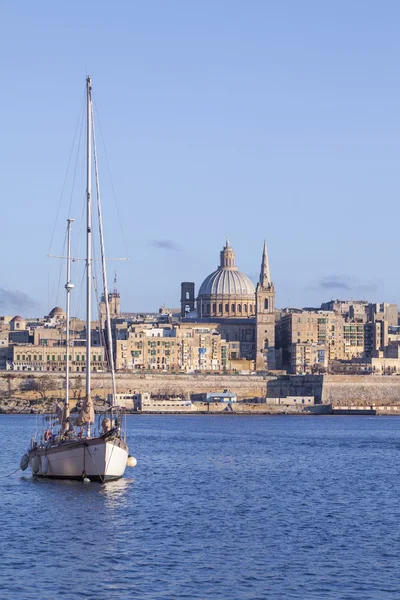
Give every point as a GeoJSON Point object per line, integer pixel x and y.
{"type": "Point", "coordinates": [224, 508]}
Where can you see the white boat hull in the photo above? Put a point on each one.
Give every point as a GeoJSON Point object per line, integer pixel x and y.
{"type": "Point", "coordinates": [97, 459]}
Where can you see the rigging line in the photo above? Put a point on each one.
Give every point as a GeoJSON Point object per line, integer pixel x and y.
{"type": "Point", "coordinates": [59, 273]}
{"type": "Point", "coordinates": [103, 265]}
{"type": "Point", "coordinates": [16, 470]}
{"type": "Point", "coordinates": [82, 221]}
{"type": "Point", "coordinates": [76, 166]}
{"type": "Point", "coordinates": [102, 479]}
{"type": "Point", "coordinates": [77, 303]}
{"type": "Point", "coordinates": [75, 264]}
{"type": "Point", "coordinates": [111, 179]}
{"type": "Point", "coordinates": [67, 170]}
{"type": "Point", "coordinates": [9, 474]}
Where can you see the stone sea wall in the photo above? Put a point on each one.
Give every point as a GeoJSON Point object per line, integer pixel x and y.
{"type": "Point", "coordinates": [245, 386]}
{"type": "Point", "coordinates": [328, 389]}
{"type": "Point", "coordinates": [338, 389]}
{"type": "Point", "coordinates": [361, 389]}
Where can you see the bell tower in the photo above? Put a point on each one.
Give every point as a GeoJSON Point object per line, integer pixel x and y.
{"type": "Point", "coordinates": [265, 317]}
{"type": "Point", "coordinates": [187, 297]}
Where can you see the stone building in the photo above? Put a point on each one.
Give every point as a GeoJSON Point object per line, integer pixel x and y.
{"type": "Point", "coordinates": [183, 347]}
{"type": "Point", "coordinates": [28, 357]}
{"type": "Point", "coordinates": [309, 339]}
{"type": "Point", "coordinates": [241, 314]}
{"type": "Point", "coordinates": [17, 324]}
{"type": "Point", "coordinates": [56, 316]}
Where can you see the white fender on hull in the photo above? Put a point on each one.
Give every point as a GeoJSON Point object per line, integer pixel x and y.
{"type": "Point", "coordinates": [131, 461]}
{"type": "Point", "coordinates": [35, 464]}
{"type": "Point", "coordinates": [45, 465]}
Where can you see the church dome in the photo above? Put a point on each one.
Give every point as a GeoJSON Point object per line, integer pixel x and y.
{"type": "Point", "coordinates": [226, 292]}
{"type": "Point", "coordinates": [227, 282]}
{"type": "Point", "coordinates": [56, 311]}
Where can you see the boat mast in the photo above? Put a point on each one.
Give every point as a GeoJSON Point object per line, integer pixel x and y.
{"type": "Point", "coordinates": [88, 235]}
{"type": "Point", "coordinates": [68, 286]}
{"type": "Point", "coordinates": [104, 272]}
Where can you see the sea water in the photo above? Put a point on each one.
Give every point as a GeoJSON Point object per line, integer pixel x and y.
{"type": "Point", "coordinates": [224, 507]}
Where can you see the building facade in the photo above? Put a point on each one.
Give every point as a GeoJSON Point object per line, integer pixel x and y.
{"type": "Point", "coordinates": [243, 315]}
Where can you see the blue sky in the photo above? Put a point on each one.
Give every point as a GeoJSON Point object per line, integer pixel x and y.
{"type": "Point", "coordinates": [276, 120]}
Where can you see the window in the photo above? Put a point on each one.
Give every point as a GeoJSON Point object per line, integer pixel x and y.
{"type": "Point", "coordinates": [214, 307]}
{"type": "Point", "coordinates": [239, 308]}
{"type": "Point", "coordinates": [220, 308]}
{"type": "Point", "coordinates": [233, 308]}
{"type": "Point", "coordinates": [18, 357]}
{"type": "Point", "coordinates": [266, 304]}
{"type": "Point", "coordinates": [245, 308]}
{"type": "Point", "coordinates": [226, 307]}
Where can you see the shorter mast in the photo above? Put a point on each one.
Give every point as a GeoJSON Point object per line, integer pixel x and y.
{"type": "Point", "coordinates": [68, 286]}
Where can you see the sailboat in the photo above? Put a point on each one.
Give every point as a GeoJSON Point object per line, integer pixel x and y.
{"type": "Point", "coordinates": [83, 447]}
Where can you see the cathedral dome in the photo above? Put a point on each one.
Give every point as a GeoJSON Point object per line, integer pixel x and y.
{"type": "Point", "coordinates": [226, 292]}
{"type": "Point", "coordinates": [227, 282]}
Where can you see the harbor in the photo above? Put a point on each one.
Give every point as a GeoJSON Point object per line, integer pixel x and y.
{"type": "Point", "coordinates": [198, 394]}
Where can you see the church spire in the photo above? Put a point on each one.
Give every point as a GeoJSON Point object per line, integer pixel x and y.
{"type": "Point", "coordinates": [265, 277]}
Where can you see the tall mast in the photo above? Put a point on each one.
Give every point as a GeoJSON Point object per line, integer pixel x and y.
{"type": "Point", "coordinates": [104, 272]}
{"type": "Point", "coordinates": [68, 286]}
{"type": "Point", "coordinates": [88, 234]}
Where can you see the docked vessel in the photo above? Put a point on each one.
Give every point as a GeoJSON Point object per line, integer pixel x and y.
{"type": "Point", "coordinates": [81, 446]}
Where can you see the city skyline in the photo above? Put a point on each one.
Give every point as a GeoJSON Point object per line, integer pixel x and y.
{"type": "Point", "coordinates": [18, 302]}
{"type": "Point", "coordinates": [277, 123]}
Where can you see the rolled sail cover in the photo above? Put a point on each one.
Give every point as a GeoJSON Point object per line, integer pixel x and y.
{"type": "Point", "coordinates": [62, 413]}
{"type": "Point", "coordinates": [86, 414]}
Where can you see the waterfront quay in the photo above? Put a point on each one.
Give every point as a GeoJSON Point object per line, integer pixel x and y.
{"type": "Point", "coordinates": [256, 394]}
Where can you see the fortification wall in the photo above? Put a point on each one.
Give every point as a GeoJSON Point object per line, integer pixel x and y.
{"type": "Point", "coordinates": [245, 386]}
{"type": "Point", "coordinates": [361, 389]}
{"type": "Point", "coordinates": [329, 389]}
{"type": "Point", "coordinates": [338, 389]}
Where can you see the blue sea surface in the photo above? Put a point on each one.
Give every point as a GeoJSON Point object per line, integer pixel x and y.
{"type": "Point", "coordinates": [224, 507]}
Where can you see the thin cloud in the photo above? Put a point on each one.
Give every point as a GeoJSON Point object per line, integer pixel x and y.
{"type": "Point", "coordinates": [16, 301]}
{"type": "Point", "coordinates": [345, 283]}
{"type": "Point", "coordinates": [165, 245]}
{"type": "Point", "coordinates": [331, 283]}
